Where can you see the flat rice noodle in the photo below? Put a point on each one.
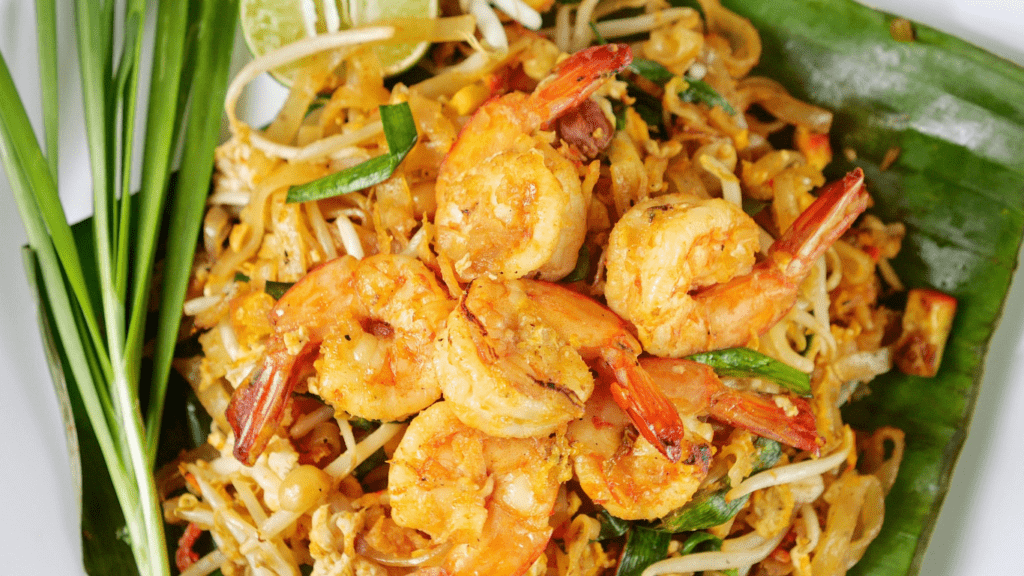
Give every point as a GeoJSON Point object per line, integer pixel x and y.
{"type": "Point", "coordinates": [774, 98]}
{"type": "Point", "coordinates": [743, 38]}
{"type": "Point", "coordinates": [855, 501]}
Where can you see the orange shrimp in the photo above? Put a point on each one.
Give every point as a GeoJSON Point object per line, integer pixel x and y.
{"type": "Point", "coordinates": [624, 473]}
{"type": "Point", "coordinates": [508, 203]}
{"type": "Point", "coordinates": [694, 388]}
{"type": "Point", "coordinates": [653, 283]}
{"type": "Point", "coordinates": [368, 325]}
{"type": "Point", "coordinates": [511, 362]}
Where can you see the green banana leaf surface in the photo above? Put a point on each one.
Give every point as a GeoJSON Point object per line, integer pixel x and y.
{"type": "Point", "coordinates": [956, 114]}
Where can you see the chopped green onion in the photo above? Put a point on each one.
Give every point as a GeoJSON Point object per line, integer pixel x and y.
{"type": "Point", "coordinates": [400, 132]}
{"type": "Point", "coordinates": [643, 548]}
{"type": "Point", "coordinates": [704, 510]}
{"type": "Point", "coordinates": [274, 289]}
{"type": "Point", "coordinates": [611, 526]}
{"type": "Point", "coordinates": [598, 37]}
{"type": "Point", "coordinates": [701, 91]}
{"type": "Point", "coordinates": [707, 542]}
{"type": "Point", "coordinates": [372, 461]}
{"type": "Point", "coordinates": [712, 543]}
{"type": "Point", "coordinates": [747, 363]}
{"type": "Point", "coordinates": [651, 70]}
{"type": "Point", "coordinates": [710, 507]}
{"type": "Point", "coordinates": [582, 268]}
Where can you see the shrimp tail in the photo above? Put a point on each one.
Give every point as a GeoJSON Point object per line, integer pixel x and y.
{"type": "Point", "coordinates": [694, 387]}
{"type": "Point", "coordinates": [763, 416]}
{"type": "Point", "coordinates": [651, 412]}
{"type": "Point", "coordinates": [257, 406]}
{"type": "Point", "coordinates": [821, 224]}
{"type": "Point", "coordinates": [577, 77]}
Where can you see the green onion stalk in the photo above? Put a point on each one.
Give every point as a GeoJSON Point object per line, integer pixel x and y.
{"type": "Point", "coordinates": [94, 295]}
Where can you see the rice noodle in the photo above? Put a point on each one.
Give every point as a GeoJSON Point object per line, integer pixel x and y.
{"type": "Point", "coordinates": [563, 27]}
{"type": "Point", "coordinates": [738, 552]}
{"type": "Point", "coordinates": [774, 98]}
{"type": "Point", "coordinates": [612, 6]}
{"type": "Point", "coordinates": [793, 472]}
{"type": "Point", "coordinates": [730, 183]}
{"type": "Point", "coordinates": [420, 559]}
{"type": "Point", "coordinates": [777, 342]}
{"type": "Point", "coordinates": [325, 147]}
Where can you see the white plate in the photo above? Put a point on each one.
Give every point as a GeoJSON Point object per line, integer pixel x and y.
{"type": "Point", "coordinates": [978, 531]}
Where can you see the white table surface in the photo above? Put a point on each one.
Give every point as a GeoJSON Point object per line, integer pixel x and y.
{"type": "Point", "coordinates": [979, 528]}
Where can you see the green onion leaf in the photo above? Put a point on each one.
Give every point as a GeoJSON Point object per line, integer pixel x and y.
{"type": "Point", "coordinates": [400, 132]}
{"type": "Point", "coordinates": [650, 70]}
{"type": "Point", "coordinates": [701, 91]}
{"type": "Point", "coordinates": [746, 363]}
{"type": "Point", "coordinates": [712, 543]}
{"type": "Point", "coordinates": [704, 510]}
{"type": "Point", "coordinates": [276, 289]}
{"type": "Point", "coordinates": [707, 542]}
{"type": "Point", "coordinates": [582, 268]}
{"type": "Point", "coordinates": [643, 548]}
{"type": "Point", "coordinates": [217, 22]}
{"type": "Point", "coordinates": [611, 526]}
{"type": "Point", "coordinates": [46, 34]}
{"type": "Point", "coordinates": [709, 507]}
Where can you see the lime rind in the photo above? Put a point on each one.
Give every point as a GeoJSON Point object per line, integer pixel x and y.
{"type": "Point", "coordinates": [270, 24]}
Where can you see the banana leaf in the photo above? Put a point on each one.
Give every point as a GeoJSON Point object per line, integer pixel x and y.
{"type": "Point", "coordinates": [957, 115]}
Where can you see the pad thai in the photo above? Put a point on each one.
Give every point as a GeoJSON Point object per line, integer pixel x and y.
{"type": "Point", "coordinates": [598, 317]}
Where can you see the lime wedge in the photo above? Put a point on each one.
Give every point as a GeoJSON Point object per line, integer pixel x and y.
{"type": "Point", "coordinates": [270, 24]}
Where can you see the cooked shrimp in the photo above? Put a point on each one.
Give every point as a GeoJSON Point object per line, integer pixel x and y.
{"type": "Point", "coordinates": [622, 471]}
{"type": "Point", "coordinates": [511, 362]}
{"type": "Point", "coordinates": [694, 388]}
{"type": "Point", "coordinates": [368, 327]}
{"type": "Point", "coordinates": [507, 202]}
{"type": "Point", "coordinates": [682, 270]}
{"type": "Point", "coordinates": [488, 499]}
{"type": "Point", "coordinates": [504, 369]}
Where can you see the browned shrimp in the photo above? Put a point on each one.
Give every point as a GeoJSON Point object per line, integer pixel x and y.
{"type": "Point", "coordinates": [694, 388]}
{"type": "Point", "coordinates": [487, 501]}
{"type": "Point", "coordinates": [657, 268]}
{"type": "Point", "coordinates": [368, 325]}
{"type": "Point", "coordinates": [507, 202]}
{"type": "Point", "coordinates": [511, 362]}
